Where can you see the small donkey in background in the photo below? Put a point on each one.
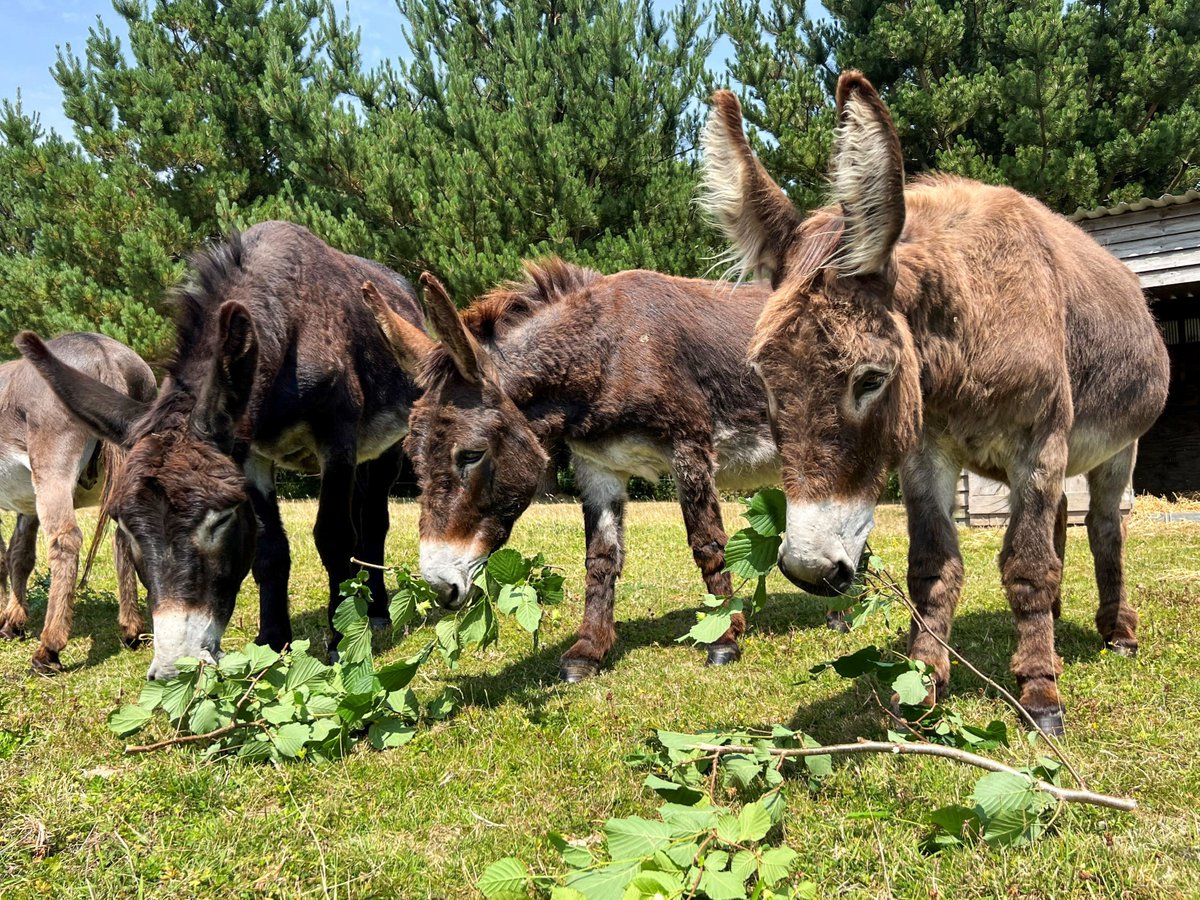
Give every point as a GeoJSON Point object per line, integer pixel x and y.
{"type": "Point", "coordinates": [51, 465]}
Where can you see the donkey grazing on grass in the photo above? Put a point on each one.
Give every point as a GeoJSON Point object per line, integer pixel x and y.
{"type": "Point", "coordinates": [278, 362]}
{"type": "Point", "coordinates": [944, 325]}
{"type": "Point", "coordinates": [641, 374]}
{"type": "Point", "coordinates": [49, 467]}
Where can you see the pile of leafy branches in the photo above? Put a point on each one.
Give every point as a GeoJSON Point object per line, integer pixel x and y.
{"type": "Point", "coordinates": [258, 704]}
{"type": "Point", "coordinates": [698, 847]}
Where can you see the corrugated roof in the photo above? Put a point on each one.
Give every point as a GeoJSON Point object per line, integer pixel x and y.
{"type": "Point", "coordinates": [1136, 206]}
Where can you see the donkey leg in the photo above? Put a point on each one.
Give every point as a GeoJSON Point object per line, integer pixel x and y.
{"type": "Point", "coordinates": [935, 570]}
{"type": "Point", "coordinates": [1116, 620]}
{"type": "Point", "coordinates": [695, 471]}
{"type": "Point", "coordinates": [372, 483]}
{"type": "Point", "coordinates": [56, 512]}
{"type": "Point", "coordinates": [3, 569]}
{"type": "Point", "coordinates": [334, 530]}
{"type": "Point", "coordinates": [1031, 572]}
{"type": "Point", "coordinates": [129, 613]}
{"type": "Point", "coordinates": [22, 554]}
{"type": "Point", "coordinates": [604, 534]}
{"type": "Point", "coordinates": [1060, 549]}
{"type": "Point", "coordinates": [272, 558]}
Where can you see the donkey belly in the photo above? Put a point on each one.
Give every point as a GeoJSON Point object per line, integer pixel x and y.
{"type": "Point", "coordinates": [625, 457]}
{"type": "Point", "coordinates": [746, 459]}
{"type": "Point", "coordinates": [16, 483]}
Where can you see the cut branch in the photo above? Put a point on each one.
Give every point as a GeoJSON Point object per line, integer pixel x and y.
{"type": "Point", "coordinates": [195, 738]}
{"type": "Point", "coordinates": [1069, 795]}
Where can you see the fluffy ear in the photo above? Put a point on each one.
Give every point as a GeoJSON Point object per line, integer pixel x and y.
{"type": "Point", "coordinates": [739, 196]}
{"type": "Point", "coordinates": [868, 177]}
{"type": "Point", "coordinates": [106, 411]}
{"type": "Point", "coordinates": [229, 385]}
{"type": "Point", "coordinates": [408, 342]}
{"type": "Point", "coordinates": [471, 360]}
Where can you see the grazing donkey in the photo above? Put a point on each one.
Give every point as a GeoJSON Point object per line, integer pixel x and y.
{"type": "Point", "coordinates": [640, 373]}
{"type": "Point", "coordinates": [278, 362]}
{"type": "Point", "coordinates": [944, 325]}
{"type": "Point", "coordinates": [49, 467]}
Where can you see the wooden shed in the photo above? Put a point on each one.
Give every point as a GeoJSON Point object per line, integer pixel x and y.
{"type": "Point", "coordinates": [1160, 241]}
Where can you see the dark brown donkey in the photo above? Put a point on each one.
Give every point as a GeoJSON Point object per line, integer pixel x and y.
{"type": "Point", "coordinates": [640, 373]}
{"type": "Point", "coordinates": [278, 362]}
{"type": "Point", "coordinates": [944, 325]}
{"type": "Point", "coordinates": [50, 466]}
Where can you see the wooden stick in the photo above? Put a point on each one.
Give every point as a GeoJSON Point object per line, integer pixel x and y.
{"type": "Point", "coordinates": [367, 565]}
{"type": "Point", "coordinates": [971, 759]}
{"type": "Point", "coordinates": [194, 738]}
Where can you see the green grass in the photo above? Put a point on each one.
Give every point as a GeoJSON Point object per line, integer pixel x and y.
{"type": "Point", "coordinates": [525, 754]}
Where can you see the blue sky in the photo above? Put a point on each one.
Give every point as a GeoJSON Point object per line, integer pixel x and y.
{"type": "Point", "coordinates": [32, 29]}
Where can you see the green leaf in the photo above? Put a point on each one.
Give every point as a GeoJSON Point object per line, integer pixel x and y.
{"type": "Point", "coordinates": [290, 739]}
{"type": "Point", "coordinates": [478, 627]}
{"type": "Point", "coordinates": [351, 620]}
{"type": "Point", "coordinates": [235, 664]}
{"type": "Point", "coordinates": [204, 717]}
{"type": "Point", "coordinates": [402, 608]}
{"type": "Point", "coordinates": [506, 600]}
{"type": "Point", "coordinates": [729, 829]}
{"type": "Point", "coordinates": [767, 512]}
{"type": "Point", "coordinates": [710, 628]}
{"type": "Point", "coordinates": [777, 863]}
{"type": "Point", "coordinates": [911, 688]}
{"type": "Point", "coordinates": [754, 822]}
{"type": "Point", "coordinates": [151, 695]}
{"type": "Point", "coordinates": [261, 657]}
{"type": "Point", "coordinates": [722, 885]}
{"type": "Point", "coordinates": [405, 703]}
{"type": "Point", "coordinates": [447, 640]}
{"type": "Point", "coordinates": [504, 878]}
{"type": "Point", "coordinates": [635, 837]}
{"type": "Point", "coordinates": [507, 566]}
{"type": "Point", "coordinates": [303, 670]}
{"type": "Point", "coordinates": [129, 719]}
{"type": "Point", "coordinates": [444, 705]}
{"type": "Point", "coordinates": [743, 865]}
{"type": "Point", "coordinates": [566, 893]}
{"type": "Point", "coordinates": [607, 883]}
{"type": "Point", "coordinates": [359, 677]}
{"type": "Point", "coordinates": [749, 554]}
{"type": "Point", "coordinates": [390, 732]}
{"type": "Point", "coordinates": [740, 770]}
{"type": "Point", "coordinates": [397, 676]}
{"type": "Point", "coordinates": [651, 885]}
{"type": "Point", "coordinates": [852, 665]}
{"type": "Point", "coordinates": [529, 613]}
{"type": "Point", "coordinates": [671, 790]}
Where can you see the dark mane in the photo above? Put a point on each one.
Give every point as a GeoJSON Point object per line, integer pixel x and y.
{"type": "Point", "coordinates": [547, 281]}
{"type": "Point", "coordinates": [199, 297]}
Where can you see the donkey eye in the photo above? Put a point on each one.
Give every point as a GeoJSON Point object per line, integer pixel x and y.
{"type": "Point", "coordinates": [869, 383]}
{"type": "Point", "coordinates": [464, 459]}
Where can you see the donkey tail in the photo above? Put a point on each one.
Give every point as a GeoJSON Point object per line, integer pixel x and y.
{"type": "Point", "coordinates": [112, 458]}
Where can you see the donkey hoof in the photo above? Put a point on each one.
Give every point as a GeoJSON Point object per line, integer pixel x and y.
{"type": "Point", "coordinates": [11, 633]}
{"type": "Point", "coordinates": [1122, 649]}
{"type": "Point", "coordinates": [1049, 720]}
{"type": "Point", "coordinates": [334, 656]}
{"type": "Point", "coordinates": [137, 642]}
{"type": "Point", "coordinates": [379, 623]}
{"type": "Point", "coordinates": [276, 640]}
{"type": "Point", "coordinates": [45, 662]}
{"type": "Point", "coordinates": [837, 620]}
{"type": "Point", "coordinates": [573, 671]}
{"type": "Point", "coordinates": [723, 654]}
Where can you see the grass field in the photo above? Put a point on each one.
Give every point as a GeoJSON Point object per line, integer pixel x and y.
{"type": "Point", "coordinates": [526, 754]}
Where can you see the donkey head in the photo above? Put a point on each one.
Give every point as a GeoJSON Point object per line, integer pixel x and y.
{"type": "Point", "coordinates": [477, 460]}
{"type": "Point", "coordinates": [180, 498]}
{"type": "Point", "coordinates": [836, 357]}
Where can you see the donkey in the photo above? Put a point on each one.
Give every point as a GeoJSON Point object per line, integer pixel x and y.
{"type": "Point", "coordinates": [278, 363]}
{"type": "Point", "coordinates": [50, 466]}
{"type": "Point", "coordinates": [942, 325]}
{"type": "Point", "coordinates": [640, 373]}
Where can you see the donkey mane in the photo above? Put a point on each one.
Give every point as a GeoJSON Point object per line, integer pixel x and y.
{"type": "Point", "coordinates": [198, 298]}
{"type": "Point", "coordinates": [547, 281]}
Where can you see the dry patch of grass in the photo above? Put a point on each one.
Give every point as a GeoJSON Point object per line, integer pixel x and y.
{"type": "Point", "coordinates": [526, 755]}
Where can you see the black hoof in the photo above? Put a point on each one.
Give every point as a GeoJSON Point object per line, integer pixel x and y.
{"type": "Point", "coordinates": [837, 620]}
{"type": "Point", "coordinates": [572, 671]}
{"type": "Point", "coordinates": [137, 642]}
{"type": "Point", "coordinates": [1049, 720]}
{"type": "Point", "coordinates": [379, 623]}
{"type": "Point", "coordinates": [45, 662]}
{"type": "Point", "coordinates": [1129, 651]}
{"type": "Point", "coordinates": [8, 633]}
{"type": "Point", "coordinates": [723, 654]}
{"type": "Point", "coordinates": [273, 639]}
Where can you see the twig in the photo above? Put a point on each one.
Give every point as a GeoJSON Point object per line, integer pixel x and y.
{"type": "Point", "coordinates": [367, 565]}
{"type": "Point", "coordinates": [887, 580]}
{"type": "Point", "coordinates": [1069, 795]}
{"type": "Point", "coordinates": [194, 738]}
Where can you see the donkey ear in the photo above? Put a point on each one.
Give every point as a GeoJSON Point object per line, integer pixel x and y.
{"type": "Point", "coordinates": [408, 342]}
{"type": "Point", "coordinates": [868, 176]}
{"type": "Point", "coordinates": [755, 215]}
{"type": "Point", "coordinates": [106, 411]}
{"type": "Point", "coordinates": [471, 360]}
{"type": "Point", "coordinates": [228, 390]}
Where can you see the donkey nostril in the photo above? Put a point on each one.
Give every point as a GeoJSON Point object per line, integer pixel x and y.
{"type": "Point", "coordinates": [453, 597]}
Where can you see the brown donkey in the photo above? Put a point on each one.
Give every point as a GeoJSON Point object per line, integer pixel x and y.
{"type": "Point", "coordinates": [942, 325]}
{"type": "Point", "coordinates": [278, 362]}
{"type": "Point", "coordinates": [640, 373]}
{"type": "Point", "coordinates": [50, 465]}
